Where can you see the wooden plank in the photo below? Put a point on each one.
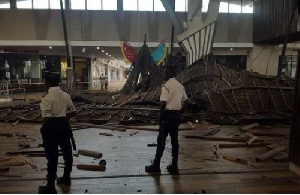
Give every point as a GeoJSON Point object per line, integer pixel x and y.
{"type": "Point", "coordinates": [90, 153]}
{"type": "Point", "coordinates": [213, 132]}
{"type": "Point", "coordinates": [218, 138]}
{"type": "Point", "coordinates": [270, 154]}
{"type": "Point", "coordinates": [250, 141]}
{"type": "Point", "coordinates": [151, 128]}
{"type": "Point", "coordinates": [109, 127]}
{"type": "Point", "coordinates": [270, 134]}
{"type": "Point", "coordinates": [243, 145]}
{"type": "Point", "coordinates": [213, 126]}
{"type": "Point", "coordinates": [91, 167]}
{"type": "Point", "coordinates": [4, 159]}
{"type": "Point", "coordinates": [135, 96]}
{"type": "Point", "coordinates": [235, 159]}
{"type": "Point", "coordinates": [8, 164]}
{"type": "Point", "coordinates": [25, 152]}
{"type": "Point", "coordinates": [247, 127]}
{"type": "Point", "coordinates": [33, 166]}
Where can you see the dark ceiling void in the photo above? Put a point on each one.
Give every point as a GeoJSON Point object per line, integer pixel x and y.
{"type": "Point", "coordinates": [271, 20]}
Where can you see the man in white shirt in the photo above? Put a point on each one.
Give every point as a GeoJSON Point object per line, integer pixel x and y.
{"type": "Point", "coordinates": [56, 107]}
{"type": "Point", "coordinates": [174, 101]}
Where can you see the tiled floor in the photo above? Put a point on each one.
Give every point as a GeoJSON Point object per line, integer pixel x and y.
{"type": "Point", "coordinates": [127, 156]}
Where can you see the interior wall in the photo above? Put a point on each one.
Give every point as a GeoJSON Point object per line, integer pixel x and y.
{"type": "Point", "coordinates": [263, 59]}
{"type": "Point", "coordinates": [111, 26]}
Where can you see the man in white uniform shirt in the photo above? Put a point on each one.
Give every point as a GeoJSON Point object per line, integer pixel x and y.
{"type": "Point", "coordinates": [56, 107]}
{"type": "Point", "coordinates": [174, 101]}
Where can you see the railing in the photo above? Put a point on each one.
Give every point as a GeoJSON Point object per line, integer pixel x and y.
{"type": "Point", "coordinates": [199, 44]}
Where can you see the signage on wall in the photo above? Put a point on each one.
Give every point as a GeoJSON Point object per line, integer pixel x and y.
{"type": "Point", "coordinates": [20, 51]}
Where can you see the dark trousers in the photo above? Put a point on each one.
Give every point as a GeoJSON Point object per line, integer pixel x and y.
{"type": "Point", "coordinates": [169, 124]}
{"type": "Point", "coordinates": [56, 133]}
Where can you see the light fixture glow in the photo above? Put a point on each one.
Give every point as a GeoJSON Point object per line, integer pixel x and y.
{"type": "Point", "coordinates": [107, 54]}
{"type": "Point", "coordinates": [103, 51]}
{"type": "Point", "coordinates": [231, 49]}
{"type": "Point", "coordinates": [50, 47]}
{"type": "Point", "coordinates": [98, 47]}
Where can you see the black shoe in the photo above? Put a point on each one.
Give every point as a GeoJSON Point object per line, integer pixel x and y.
{"type": "Point", "coordinates": [173, 169]}
{"type": "Point", "coordinates": [63, 181]}
{"type": "Point", "coordinates": [47, 190]}
{"type": "Point", "coordinates": [152, 168]}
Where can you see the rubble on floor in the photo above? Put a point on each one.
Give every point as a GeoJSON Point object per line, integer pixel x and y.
{"type": "Point", "coordinates": [217, 94]}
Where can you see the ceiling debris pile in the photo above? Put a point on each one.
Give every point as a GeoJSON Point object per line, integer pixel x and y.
{"type": "Point", "coordinates": [216, 93]}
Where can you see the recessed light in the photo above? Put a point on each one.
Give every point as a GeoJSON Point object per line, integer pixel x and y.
{"type": "Point", "coordinates": [50, 47]}
{"type": "Point", "coordinates": [231, 49]}
{"type": "Point", "coordinates": [107, 54]}
{"type": "Point", "coordinates": [103, 51]}
{"type": "Point", "coordinates": [98, 47]}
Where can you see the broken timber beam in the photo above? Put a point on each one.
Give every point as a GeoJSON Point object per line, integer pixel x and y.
{"type": "Point", "coordinates": [91, 167]}
{"type": "Point", "coordinates": [244, 145]}
{"type": "Point", "coordinates": [271, 134]}
{"type": "Point", "coordinates": [270, 154]}
{"type": "Point", "coordinates": [17, 163]}
{"type": "Point", "coordinates": [225, 139]}
{"type": "Point", "coordinates": [90, 153]}
{"type": "Point", "coordinates": [135, 96]}
{"type": "Point", "coordinates": [235, 159]}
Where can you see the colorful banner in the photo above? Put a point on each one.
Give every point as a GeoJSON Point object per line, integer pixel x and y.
{"type": "Point", "coordinates": [160, 53]}
{"type": "Point", "coordinates": [128, 52]}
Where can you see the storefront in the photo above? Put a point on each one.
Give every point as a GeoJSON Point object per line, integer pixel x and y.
{"type": "Point", "coordinates": [99, 71]}
{"type": "Point", "coordinates": [26, 70]}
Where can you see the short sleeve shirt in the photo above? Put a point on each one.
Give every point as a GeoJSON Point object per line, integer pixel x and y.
{"type": "Point", "coordinates": [56, 103]}
{"type": "Point", "coordinates": [174, 94]}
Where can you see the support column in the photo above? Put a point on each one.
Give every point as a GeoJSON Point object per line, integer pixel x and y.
{"type": "Point", "coordinates": [70, 71]}
{"type": "Point", "coordinates": [294, 145]}
{"type": "Point", "coordinates": [120, 5]}
{"type": "Point", "coordinates": [172, 3]}
{"type": "Point", "coordinates": [13, 4]}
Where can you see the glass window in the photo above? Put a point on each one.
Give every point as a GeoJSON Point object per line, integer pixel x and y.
{"type": "Point", "coordinates": [158, 6]}
{"type": "Point", "coordinates": [181, 5]}
{"type": "Point", "coordinates": [130, 5]}
{"type": "Point", "coordinates": [223, 7]}
{"type": "Point", "coordinates": [235, 6]}
{"type": "Point", "coordinates": [247, 6]}
{"type": "Point", "coordinates": [5, 5]}
{"type": "Point", "coordinates": [109, 4]}
{"type": "Point", "coordinates": [289, 65]}
{"type": "Point", "coordinates": [78, 4]}
{"type": "Point", "coordinates": [205, 5]}
{"type": "Point", "coordinates": [24, 4]}
{"type": "Point", "coordinates": [94, 4]}
{"type": "Point", "coordinates": [40, 4]}
{"type": "Point", "coordinates": [55, 4]}
{"type": "Point", "coordinates": [145, 5]}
